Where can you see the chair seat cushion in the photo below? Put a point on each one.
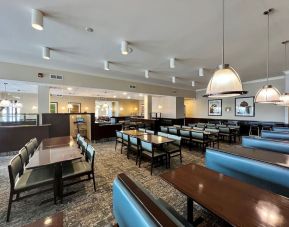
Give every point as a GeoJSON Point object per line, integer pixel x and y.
{"type": "Point", "coordinates": [75, 168]}
{"type": "Point", "coordinates": [156, 153]}
{"type": "Point", "coordinates": [35, 177]}
{"type": "Point", "coordinates": [171, 148]}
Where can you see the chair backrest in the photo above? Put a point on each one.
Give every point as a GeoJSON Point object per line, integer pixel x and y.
{"type": "Point", "coordinates": [133, 140]}
{"type": "Point", "coordinates": [173, 131]}
{"type": "Point", "coordinates": [142, 129]}
{"type": "Point", "coordinates": [185, 133]}
{"type": "Point", "coordinates": [177, 139]}
{"type": "Point", "coordinates": [146, 146]}
{"type": "Point", "coordinates": [162, 134]}
{"type": "Point", "coordinates": [197, 134]}
{"type": "Point", "coordinates": [83, 146]}
{"type": "Point", "coordinates": [125, 137]}
{"type": "Point", "coordinates": [210, 125]}
{"type": "Point", "coordinates": [214, 130]}
{"type": "Point", "coordinates": [24, 155]}
{"type": "Point", "coordinates": [15, 168]}
{"type": "Point", "coordinates": [150, 132]}
{"type": "Point", "coordinates": [30, 148]}
{"type": "Point", "coordinates": [77, 137]}
{"type": "Point", "coordinates": [164, 129]}
{"type": "Point", "coordinates": [35, 142]}
{"type": "Point", "coordinates": [118, 134]}
{"type": "Point", "coordinates": [201, 125]}
{"type": "Point", "coordinates": [177, 126]}
{"type": "Point", "coordinates": [90, 154]}
{"type": "Point", "coordinates": [198, 128]}
{"type": "Point", "coordinates": [224, 129]}
{"type": "Point", "coordinates": [191, 125]}
{"type": "Point", "coordinates": [186, 127]}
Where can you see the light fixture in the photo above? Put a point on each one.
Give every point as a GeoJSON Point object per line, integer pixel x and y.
{"type": "Point", "coordinates": [268, 93]}
{"type": "Point", "coordinates": [114, 96]}
{"type": "Point", "coordinates": [201, 71]}
{"type": "Point", "coordinates": [172, 63]}
{"type": "Point", "coordinates": [69, 88]}
{"type": "Point", "coordinates": [5, 102]}
{"type": "Point", "coordinates": [18, 104]}
{"type": "Point", "coordinates": [45, 53]}
{"type": "Point", "coordinates": [125, 49]}
{"type": "Point", "coordinates": [69, 106]}
{"type": "Point", "coordinates": [37, 19]}
{"type": "Point", "coordinates": [140, 94]}
{"type": "Point", "coordinates": [147, 74]}
{"type": "Point", "coordinates": [106, 65]}
{"type": "Point", "coordinates": [193, 83]}
{"type": "Point", "coordinates": [173, 79]}
{"type": "Point", "coordinates": [225, 82]}
{"type": "Point", "coordinates": [128, 97]}
{"type": "Point", "coordinates": [88, 29]}
{"type": "Point", "coordinates": [34, 107]}
{"type": "Point", "coordinates": [284, 98]}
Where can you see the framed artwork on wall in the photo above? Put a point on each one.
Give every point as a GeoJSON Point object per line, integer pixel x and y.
{"type": "Point", "coordinates": [74, 107]}
{"type": "Point", "coordinates": [215, 107]}
{"type": "Point", "coordinates": [54, 107]}
{"type": "Point", "coordinates": [245, 107]}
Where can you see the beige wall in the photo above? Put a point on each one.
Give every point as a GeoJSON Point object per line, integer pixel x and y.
{"type": "Point", "coordinates": [189, 106]}
{"type": "Point", "coordinates": [128, 107]}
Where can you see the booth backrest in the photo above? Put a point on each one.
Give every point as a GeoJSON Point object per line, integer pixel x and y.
{"type": "Point", "coordinates": [134, 206]}
{"type": "Point", "coordinates": [261, 174]}
{"type": "Point", "coordinates": [280, 146]}
{"type": "Point", "coordinates": [281, 129]}
{"type": "Point", "coordinates": [275, 135]}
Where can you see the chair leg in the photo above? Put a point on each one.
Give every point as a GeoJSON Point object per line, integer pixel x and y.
{"type": "Point", "coordinates": [93, 182]}
{"type": "Point", "coordinates": [121, 148]}
{"type": "Point", "coordinates": [181, 158]}
{"type": "Point", "coordinates": [140, 159]}
{"type": "Point", "coordinates": [115, 145]}
{"type": "Point", "coordinates": [9, 206]}
{"type": "Point", "coordinates": [152, 164]}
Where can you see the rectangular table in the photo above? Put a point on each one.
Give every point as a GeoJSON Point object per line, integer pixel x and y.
{"type": "Point", "coordinates": [133, 132]}
{"type": "Point", "coordinates": [55, 151]}
{"type": "Point", "coordinates": [154, 139]}
{"type": "Point", "coordinates": [238, 203]}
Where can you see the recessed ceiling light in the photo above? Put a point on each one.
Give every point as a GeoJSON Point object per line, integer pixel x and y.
{"type": "Point", "coordinates": [124, 93]}
{"type": "Point", "coordinates": [128, 97]}
{"type": "Point", "coordinates": [172, 63]}
{"type": "Point", "coordinates": [69, 88]}
{"type": "Point", "coordinates": [125, 49]}
{"type": "Point", "coordinates": [37, 19]}
{"type": "Point", "coordinates": [173, 79]}
{"type": "Point", "coordinates": [106, 65]}
{"type": "Point", "coordinates": [140, 94]}
{"type": "Point", "coordinates": [147, 74]}
{"type": "Point", "coordinates": [88, 29]}
{"type": "Point", "coordinates": [114, 96]}
{"type": "Point", "coordinates": [46, 53]}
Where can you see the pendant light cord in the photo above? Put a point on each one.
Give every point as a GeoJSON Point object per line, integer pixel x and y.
{"type": "Point", "coordinates": [223, 33]}
{"type": "Point", "coordinates": [268, 41]}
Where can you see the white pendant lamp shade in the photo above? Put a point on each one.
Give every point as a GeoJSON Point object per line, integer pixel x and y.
{"type": "Point", "coordinates": [37, 19]}
{"type": "Point", "coordinates": [284, 100]}
{"type": "Point", "coordinates": [45, 53]}
{"type": "Point", "coordinates": [225, 83]}
{"type": "Point", "coordinates": [18, 105]}
{"type": "Point", "coordinates": [5, 102]}
{"type": "Point", "coordinates": [268, 94]}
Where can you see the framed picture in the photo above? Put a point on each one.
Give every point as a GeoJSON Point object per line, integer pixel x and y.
{"type": "Point", "coordinates": [54, 107]}
{"type": "Point", "coordinates": [215, 107]}
{"type": "Point", "coordinates": [74, 107]}
{"type": "Point", "coordinates": [245, 107]}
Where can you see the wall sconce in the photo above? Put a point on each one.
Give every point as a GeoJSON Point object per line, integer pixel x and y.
{"type": "Point", "coordinates": [228, 109]}
{"type": "Point", "coordinates": [135, 108]}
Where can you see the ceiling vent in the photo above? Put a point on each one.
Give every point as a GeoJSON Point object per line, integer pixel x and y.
{"type": "Point", "coordinates": [56, 77]}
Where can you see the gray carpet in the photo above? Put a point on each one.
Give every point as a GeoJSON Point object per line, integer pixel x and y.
{"type": "Point", "coordinates": [89, 208]}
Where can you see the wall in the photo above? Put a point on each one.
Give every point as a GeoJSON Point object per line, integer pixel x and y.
{"type": "Point", "coordinates": [169, 106]}
{"type": "Point", "coordinates": [128, 107]}
{"type": "Point", "coordinates": [263, 112]}
{"type": "Point", "coordinates": [189, 103]}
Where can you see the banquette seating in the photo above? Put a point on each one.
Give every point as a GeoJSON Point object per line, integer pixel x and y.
{"type": "Point", "coordinates": [135, 206]}
{"type": "Point", "coordinates": [275, 135]}
{"type": "Point", "coordinates": [266, 144]}
{"type": "Point", "coordinates": [281, 129]}
{"type": "Point", "coordinates": [261, 174]}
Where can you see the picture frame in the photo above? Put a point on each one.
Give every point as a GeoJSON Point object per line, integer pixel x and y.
{"type": "Point", "coordinates": [215, 107]}
{"type": "Point", "coordinates": [74, 107]}
{"type": "Point", "coordinates": [245, 106]}
{"type": "Point", "coordinates": [53, 107]}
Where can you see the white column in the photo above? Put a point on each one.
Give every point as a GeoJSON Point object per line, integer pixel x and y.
{"type": "Point", "coordinates": [180, 107]}
{"type": "Point", "coordinates": [286, 91]}
{"type": "Point", "coordinates": [43, 100]}
{"type": "Point", "coordinates": [147, 106]}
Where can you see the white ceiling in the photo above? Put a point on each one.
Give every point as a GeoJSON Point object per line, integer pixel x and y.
{"type": "Point", "coordinates": [156, 30]}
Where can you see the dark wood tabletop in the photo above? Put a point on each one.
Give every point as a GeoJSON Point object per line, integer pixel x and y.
{"type": "Point", "coordinates": [133, 132]}
{"type": "Point", "coordinates": [238, 203]}
{"type": "Point", "coordinates": [154, 139]}
{"type": "Point", "coordinates": [55, 220]}
{"type": "Point", "coordinates": [270, 157]}
{"type": "Point", "coordinates": [53, 151]}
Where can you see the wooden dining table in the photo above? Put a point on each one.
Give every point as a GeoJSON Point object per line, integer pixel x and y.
{"type": "Point", "coordinates": [237, 203]}
{"type": "Point", "coordinates": [133, 132]}
{"type": "Point", "coordinates": [154, 139]}
{"type": "Point", "coordinates": [54, 152]}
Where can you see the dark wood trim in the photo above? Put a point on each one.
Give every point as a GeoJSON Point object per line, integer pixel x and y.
{"type": "Point", "coordinates": [153, 210]}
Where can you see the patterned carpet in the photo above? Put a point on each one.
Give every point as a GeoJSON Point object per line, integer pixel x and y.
{"type": "Point", "coordinates": [88, 208]}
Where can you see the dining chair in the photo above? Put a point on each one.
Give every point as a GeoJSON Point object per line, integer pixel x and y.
{"type": "Point", "coordinates": [24, 156]}
{"type": "Point", "coordinates": [150, 132]}
{"type": "Point", "coordinates": [164, 129]}
{"type": "Point", "coordinates": [24, 180]}
{"type": "Point", "coordinates": [142, 129]}
{"type": "Point", "coordinates": [174, 149]}
{"type": "Point", "coordinates": [162, 134]}
{"type": "Point", "coordinates": [199, 138]}
{"type": "Point", "coordinates": [173, 131]}
{"type": "Point", "coordinates": [125, 141]}
{"type": "Point", "coordinates": [151, 152]}
{"type": "Point", "coordinates": [73, 170]}
{"type": "Point", "coordinates": [35, 143]}
{"type": "Point", "coordinates": [186, 127]}
{"type": "Point", "coordinates": [118, 138]}
{"type": "Point", "coordinates": [186, 136]}
{"type": "Point", "coordinates": [133, 146]}
{"type": "Point", "coordinates": [83, 146]}
{"type": "Point", "coordinates": [30, 148]}
{"type": "Point", "coordinates": [214, 137]}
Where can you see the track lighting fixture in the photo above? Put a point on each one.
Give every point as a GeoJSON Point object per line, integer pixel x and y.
{"type": "Point", "coordinates": [37, 19]}
{"type": "Point", "coordinates": [106, 66]}
{"type": "Point", "coordinates": [125, 49]}
{"type": "Point", "coordinates": [147, 74]}
{"type": "Point", "coordinates": [172, 63]}
{"type": "Point", "coordinates": [173, 79]}
{"type": "Point", "coordinates": [46, 53]}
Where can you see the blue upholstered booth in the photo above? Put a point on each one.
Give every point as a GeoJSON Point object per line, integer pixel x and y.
{"type": "Point", "coordinates": [129, 211]}
{"type": "Point", "coordinates": [281, 146]}
{"type": "Point", "coordinates": [281, 129]}
{"type": "Point", "coordinates": [279, 135]}
{"type": "Point", "coordinates": [264, 175]}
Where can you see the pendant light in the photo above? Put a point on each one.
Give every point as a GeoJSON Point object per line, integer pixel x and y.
{"type": "Point", "coordinates": [284, 98]}
{"type": "Point", "coordinates": [268, 93]}
{"type": "Point", "coordinates": [5, 102]}
{"type": "Point", "coordinates": [225, 82]}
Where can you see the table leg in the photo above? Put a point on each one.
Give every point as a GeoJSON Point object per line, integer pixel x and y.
{"type": "Point", "coordinates": [58, 176]}
{"type": "Point", "coordinates": [190, 209]}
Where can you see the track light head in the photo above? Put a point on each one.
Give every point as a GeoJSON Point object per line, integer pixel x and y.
{"type": "Point", "coordinates": [201, 71]}
{"type": "Point", "coordinates": [193, 83]}
{"type": "Point", "coordinates": [37, 19]}
{"type": "Point", "coordinates": [106, 66]}
{"type": "Point", "coordinates": [46, 53]}
{"type": "Point", "coordinates": [172, 63]}
{"type": "Point", "coordinates": [173, 79]}
{"type": "Point", "coordinates": [147, 74]}
{"type": "Point", "coordinates": [125, 49]}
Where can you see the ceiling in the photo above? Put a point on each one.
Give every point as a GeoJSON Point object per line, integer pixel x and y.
{"type": "Point", "coordinates": [190, 31]}
{"type": "Point", "coordinates": [17, 87]}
